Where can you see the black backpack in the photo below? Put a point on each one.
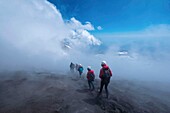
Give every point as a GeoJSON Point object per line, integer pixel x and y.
{"type": "Point", "coordinates": [106, 73]}
{"type": "Point", "coordinates": [91, 77]}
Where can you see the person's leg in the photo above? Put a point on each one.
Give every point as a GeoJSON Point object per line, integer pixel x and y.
{"type": "Point", "coordinates": [89, 84]}
{"type": "Point", "coordinates": [101, 86]}
{"type": "Point", "coordinates": [106, 89]}
{"type": "Point", "coordinates": [80, 74]}
{"type": "Point", "coordinates": [92, 85]}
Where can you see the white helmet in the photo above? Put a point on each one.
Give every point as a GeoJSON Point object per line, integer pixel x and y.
{"type": "Point", "coordinates": [80, 65]}
{"type": "Point", "coordinates": [103, 63]}
{"type": "Point", "coordinates": [89, 67]}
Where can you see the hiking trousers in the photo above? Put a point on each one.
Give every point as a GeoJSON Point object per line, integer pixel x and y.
{"type": "Point", "coordinates": [80, 73]}
{"type": "Point", "coordinates": [104, 83]}
{"type": "Point", "coordinates": [91, 85]}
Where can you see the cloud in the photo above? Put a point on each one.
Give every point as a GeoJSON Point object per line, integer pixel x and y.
{"type": "Point", "coordinates": [99, 28]}
{"type": "Point", "coordinates": [161, 30]}
{"type": "Point", "coordinates": [75, 24]}
{"type": "Point", "coordinates": [84, 37]}
{"type": "Point", "coordinates": [148, 53]}
{"type": "Point", "coordinates": [153, 41]}
{"type": "Point", "coordinates": [32, 26]}
{"type": "Point", "coordinates": [33, 30]}
{"type": "Point", "coordinates": [79, 35]}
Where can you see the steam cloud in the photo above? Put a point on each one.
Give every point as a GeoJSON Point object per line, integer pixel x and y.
{"type": "Point", "coordinates": [33, 33]}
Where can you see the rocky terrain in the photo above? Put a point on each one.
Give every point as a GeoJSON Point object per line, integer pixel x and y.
{"type": "Point", "coordinates": [47, 92]}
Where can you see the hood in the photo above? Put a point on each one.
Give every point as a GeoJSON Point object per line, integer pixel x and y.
{"type": "Point", "coordinates": [106, 67]}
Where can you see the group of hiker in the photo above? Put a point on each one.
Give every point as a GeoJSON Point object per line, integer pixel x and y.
{"type": "Point", "coordinates": [105, 75]}
{"type": "Point", "coordinates": [77, 67]}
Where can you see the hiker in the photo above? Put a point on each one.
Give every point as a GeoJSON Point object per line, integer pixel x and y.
{"type": "Point", "coordinates": [72, 66]}
{"type": "Point", "coordinates": [80, 70]}
{"type": "Point", "coordinates": [105, 75]}
{"type": "Point", "coordinates": [90, 78]}
{"type": "Point", "coordinates": [77, 66]}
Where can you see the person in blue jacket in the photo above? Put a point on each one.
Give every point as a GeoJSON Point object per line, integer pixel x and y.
{"type": "Point", "coordinates": [80, 70]}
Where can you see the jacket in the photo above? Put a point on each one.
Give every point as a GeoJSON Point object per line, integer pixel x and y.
{"type": "Point", "coordinates": [102, 73]}
{"type": "Point", "coordinates": [89, 75]}
{"type": "Point", "coordinates": [80, 69]}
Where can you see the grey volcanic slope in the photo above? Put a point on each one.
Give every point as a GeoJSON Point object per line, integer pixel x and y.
{"type": "Point", "coordinates": [45, 92]}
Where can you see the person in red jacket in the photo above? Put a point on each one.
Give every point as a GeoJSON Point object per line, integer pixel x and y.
{"type": "Point", "coordinates": [105, 75]}
{"type": "Point", "coordinates": [90, 78]}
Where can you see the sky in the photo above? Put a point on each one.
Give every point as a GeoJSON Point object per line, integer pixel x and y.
{"type": "Point", "coordinates": [117, 15]}
{"type": "Point", "coordinates": [42, 35]}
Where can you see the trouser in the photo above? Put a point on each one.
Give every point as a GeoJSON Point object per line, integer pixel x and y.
{"type": "Point", "coordinates": [91, 85]}
{"type": "Point", "coordinates": [104, 83]}
{"type": "Point", "coordinates": [80, 73]}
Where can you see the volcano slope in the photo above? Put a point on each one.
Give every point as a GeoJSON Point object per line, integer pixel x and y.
{"type": "Point", "coordinates": [46, 92]}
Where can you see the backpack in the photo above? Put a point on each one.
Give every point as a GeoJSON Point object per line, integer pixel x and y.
{"type": "Point", "coordinates": [80, 69]}
{"type": "Point", "coordinates": [91, 76]}
{"type": "Point", "coordinates": [106, 73]}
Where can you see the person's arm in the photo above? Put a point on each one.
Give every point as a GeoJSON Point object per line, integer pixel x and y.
{"type": "Point", "coordinates": [87, 75]}
{"type": "Point", "coordinates": [93, 74]}
{"type": "Point", "coordinates": [110, 72]}
{"type": "Point", "coordinates": [101, 73]}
